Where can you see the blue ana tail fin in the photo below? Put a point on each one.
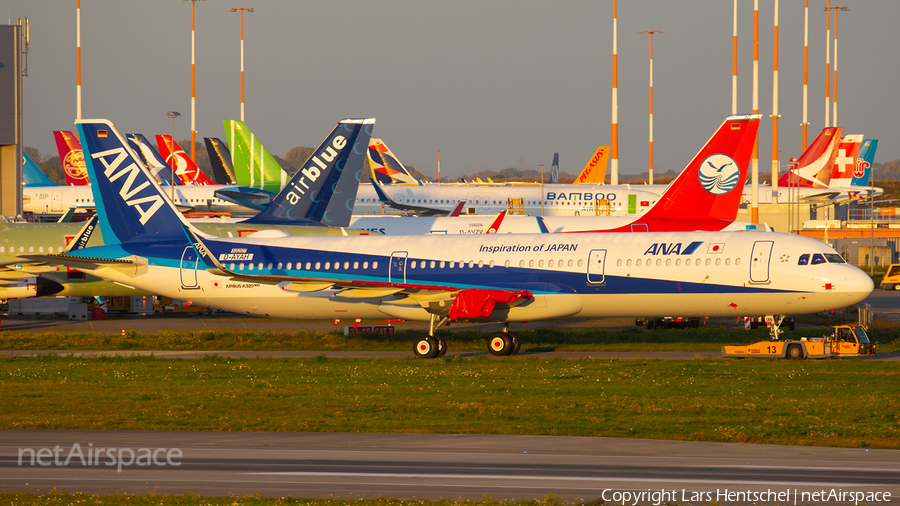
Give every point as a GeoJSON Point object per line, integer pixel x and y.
{"type": "Point", "coordinates": [153, 161]}
{"type": "Point", "coordinates": [129, 201]}
{"type": "Point", "coordinates": [864, 162]}
{"type": "Point", "coordinates": [32, 175]}
{"type": "Point", "coordinates": [324, 190]}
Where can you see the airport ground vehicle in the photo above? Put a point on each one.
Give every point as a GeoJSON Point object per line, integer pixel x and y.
{"type": "Point", "coordinates": [891, 279]}
{"type": "Point", "coordinates": [844, 341]}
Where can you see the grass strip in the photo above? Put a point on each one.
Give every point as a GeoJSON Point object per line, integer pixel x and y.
{"type": "Point", "coordinates": [65, 499]}
{"type": "Point", "coordinates": [704, 339]}
{"type": "Point", "coordinates": [847, 402]}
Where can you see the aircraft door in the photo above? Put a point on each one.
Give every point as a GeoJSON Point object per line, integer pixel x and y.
{"type": "Point", "coordinates": [596, 267]}
{"type": "Point", "coordinates": [759, 261]}
{"type": "Point", "coordinates": [188, 268]}
{"type": "Point", "coordinates": [397, 268]}
{"type": "Point", "coordinates": [56, 198]}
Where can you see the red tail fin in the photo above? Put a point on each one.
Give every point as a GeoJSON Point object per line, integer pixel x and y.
{"type": "Point", "coordinates": [495, 225]}
{"type": "Point", "coordinates": [845, 162]}
{"type": "Point", "coordinates": [709, 188]}
{"type": "Point", "coordinates": [815, 164]}
{"type": "Point", "coordinates": [182, 164]}
{"type": "Point", "coordinates": [71, 157]}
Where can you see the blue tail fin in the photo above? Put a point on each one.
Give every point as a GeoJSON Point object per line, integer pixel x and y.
{"type": "Point", "coordinates": [152, 159]}
{"type": "Point", "coordinates": [554, 170]}
{"type": "Point", "coordinates": [864, 161]}
{"type": "Point", "coordinates": [324, 190]}
{"type": "Point", "coordinates": [32, 175]}
{"type": "Point", "coordinates": [129, 201]}
{"type": "Point", "coordinates": [220, 159]}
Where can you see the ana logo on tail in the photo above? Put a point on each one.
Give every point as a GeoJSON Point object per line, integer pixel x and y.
{"type": "Point", "coordinates": [127, 191]}
{"type": "Point", "coordinates": [719, 174]}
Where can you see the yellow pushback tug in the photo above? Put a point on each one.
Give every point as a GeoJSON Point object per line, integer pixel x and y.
{"type": "Point", "coordinates": [844, 341]}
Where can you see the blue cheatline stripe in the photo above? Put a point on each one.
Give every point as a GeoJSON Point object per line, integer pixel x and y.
{"type": "Point", "coordinates": [691, 247]}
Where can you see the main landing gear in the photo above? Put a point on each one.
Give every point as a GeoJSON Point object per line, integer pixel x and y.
{"type": "Point", "coordinates": [431, 346]}
{"type": "Point", "coordinates": [504, 343]}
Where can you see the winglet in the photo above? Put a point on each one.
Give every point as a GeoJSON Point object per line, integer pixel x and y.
{"type": "Point", "coordinates": [541, 225]}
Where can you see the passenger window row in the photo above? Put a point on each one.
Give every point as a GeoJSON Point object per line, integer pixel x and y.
{"type": "Point", "coordinates": [687, 262]}
{"type": "Point", "coordinates": [40, 249]}
{"type": "Point", "coordinates": [308, 266]}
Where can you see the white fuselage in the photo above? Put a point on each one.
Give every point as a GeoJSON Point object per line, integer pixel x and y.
{"type": "Point", "coordinates": [478, 224]}
{"type": "Point", "coordinates": [558, 199]}
{"type": "Point", "coordinates": [58, 199]}
{"type": "Point", "coordinates": [577, 275]}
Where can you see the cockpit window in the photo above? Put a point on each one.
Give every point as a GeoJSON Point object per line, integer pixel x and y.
{"type": "Point", "coordinates": [804, 259]}
{"type": "Point", "coordinates": [834, 258]}
{"type": "Point", "coordinates": [818, 258]}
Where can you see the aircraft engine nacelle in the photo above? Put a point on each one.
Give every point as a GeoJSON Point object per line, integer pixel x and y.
{"type": "Point", "coordinates": [30, 287]}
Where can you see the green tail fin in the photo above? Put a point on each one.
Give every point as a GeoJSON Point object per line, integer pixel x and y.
{"type": "Point", "coordinates": [253, 165]}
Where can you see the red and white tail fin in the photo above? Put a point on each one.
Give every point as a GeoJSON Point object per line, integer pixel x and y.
{"type": "Point", "coordinates": [814, 167]}
{"type": "Point", "coordinates": [710, 187]}
{"type": "Point", "coordinates": [71, 157]}
{"type": "Point", "coordinates": [184, 167]}
{"type": "Point", "coordinates": [845, 163]}
{"type": "Point", "coordinates": [458, 209]}
{"type": "Point", "coordinates": [495, 225]}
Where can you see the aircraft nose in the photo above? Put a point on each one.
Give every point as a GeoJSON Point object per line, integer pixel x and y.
{"type": "Point", "coordinates": [857, 285]}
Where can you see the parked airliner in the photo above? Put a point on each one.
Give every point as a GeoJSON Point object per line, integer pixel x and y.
{"type": "Point", "coordinates": [705, 196]}
{"type": "Point", "coordinates": [491, 278]}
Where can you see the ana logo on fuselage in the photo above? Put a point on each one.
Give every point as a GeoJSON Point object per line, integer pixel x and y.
{"type": "Point", "coordinates": [675, 248]}
{"type": "Point", "coordinates": [719, 174]}
{"type": "Point", "coordinates": [128, 191]}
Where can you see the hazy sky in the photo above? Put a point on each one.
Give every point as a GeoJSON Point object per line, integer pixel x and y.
{"type": "Point", "coordinates": [492, 84]}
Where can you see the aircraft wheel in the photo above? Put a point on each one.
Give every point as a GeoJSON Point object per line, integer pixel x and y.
{"type": "Point", "coordinates": [794, 352]}
{"type": "Point", "coordinates": [426, 347]}
{"type": "Point", "coordinates": [517, 344]}
{"type": "Point", "coordinates": [442, 346]}
{"type": "Point", "coordinates": [500, 344]}
{"type": "Point", "coordinates": [896, 287]}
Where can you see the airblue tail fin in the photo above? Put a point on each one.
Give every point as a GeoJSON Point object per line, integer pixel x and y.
{"type": "Point", "coordinates": [864, 162]}
{"type": "Point", "coordinates": [32, 175]}
{"type": "Point", "coordinates": [324, 190]}
{"type": "Point", "coordinates": [220, 159]}
{"type": "Point", "coordinates": [129, 201]}
{"type": "Point", "coordinates": [153, 161]}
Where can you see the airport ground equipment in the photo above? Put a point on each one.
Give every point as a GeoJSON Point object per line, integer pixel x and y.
{"type": "Point", "coordinates": [891, 279]}
{"type": "Point", "coordinates": [844, 341]}
{"type": "Point", "coordinates": [671, 322]}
